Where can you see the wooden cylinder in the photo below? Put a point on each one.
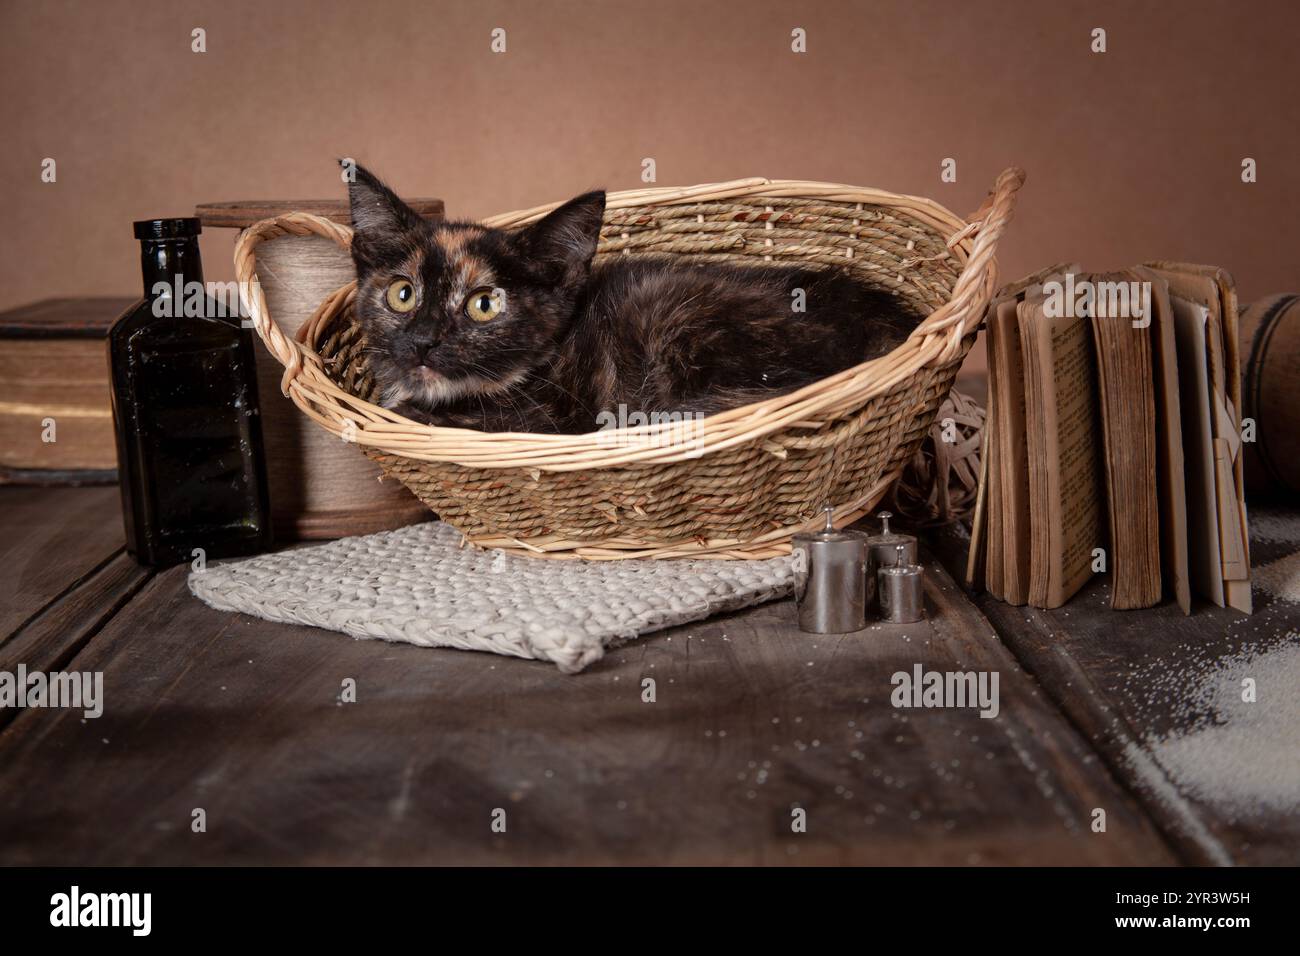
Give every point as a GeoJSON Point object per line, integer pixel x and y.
{"type": "Point", "coordinates": [320, 487]}
{"type": "Point", "coordinates": [1270, 377]}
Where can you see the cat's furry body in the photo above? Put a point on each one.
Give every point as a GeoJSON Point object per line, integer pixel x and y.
{"type": "Point", "coordinates": [571, 339]}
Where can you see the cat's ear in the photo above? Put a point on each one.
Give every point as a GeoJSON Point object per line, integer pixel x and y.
{"type": "Point", "coordinates": [376, 210]}
{"type": "Point", "coordinates": [565, 238]}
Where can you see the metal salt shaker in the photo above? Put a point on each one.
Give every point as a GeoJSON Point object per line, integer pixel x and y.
{"type": "Point", "coordinates": [901, 596]}
{"type": "Point", "coordinates": [882, 545]}
{"type": "Point", "coordinates": [832, 587]}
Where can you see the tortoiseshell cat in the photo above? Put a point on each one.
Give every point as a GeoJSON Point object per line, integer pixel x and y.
{"type": "Point", "coordinates": [518, 331]}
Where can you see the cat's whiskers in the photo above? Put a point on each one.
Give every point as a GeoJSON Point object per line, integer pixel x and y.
{"type": "Point", "coordinates": [512, 388]}
{"type": "Point", "coordinates": [394, 394]}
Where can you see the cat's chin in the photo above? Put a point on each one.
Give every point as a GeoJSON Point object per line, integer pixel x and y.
{"type": "Point", "coordinates": [428, 388]}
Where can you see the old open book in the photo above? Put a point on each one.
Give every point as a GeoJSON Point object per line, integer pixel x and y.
{"type": "Point", "coordinates": [1113, 439]}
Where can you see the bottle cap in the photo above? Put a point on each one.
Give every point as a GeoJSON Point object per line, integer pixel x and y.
{"type": "Point", "coordinates": [186, 228]}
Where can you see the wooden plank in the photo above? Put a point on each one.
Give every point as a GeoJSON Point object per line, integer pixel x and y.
{"type": "Point", "coordinates": [752, 720]}
{"type": "Point", "coordinates": [55, 635]}
{"type": "Point", "coordinates": [243, 213]}
{"type": "Point", "coordinates": [87, 317]}
{"type": "Point", "coordinates": [49, 541]}
{"type": "Point", "coordinates": [56, 478]}
{"type": "Point", "coordinates": [1116, 675]}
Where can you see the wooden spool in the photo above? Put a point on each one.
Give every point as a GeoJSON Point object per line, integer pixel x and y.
{"type": "Point", "coordinates": [1270, 340]}
{"type": "Point", "coordinates": [321, 487]}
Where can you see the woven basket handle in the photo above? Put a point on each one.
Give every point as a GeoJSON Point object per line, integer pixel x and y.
{"type": "Point", "coordinates": [964, 312]}
{"type": "Point", "coordinates": [288, 352]}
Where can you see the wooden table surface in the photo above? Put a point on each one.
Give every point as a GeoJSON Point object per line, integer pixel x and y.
{"type": "Point", "coordinates": [753, 721]}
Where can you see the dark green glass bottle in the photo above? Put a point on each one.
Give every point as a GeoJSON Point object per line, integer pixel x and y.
{"type": "Point", "coordinates": [190, 460]}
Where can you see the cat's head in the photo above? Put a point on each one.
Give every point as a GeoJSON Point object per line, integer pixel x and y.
{"type": "Point", "coordinates": [454, 309]}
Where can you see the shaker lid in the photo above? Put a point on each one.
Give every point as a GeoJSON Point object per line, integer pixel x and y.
{"type": "Point", "coordinates": [886, 536]}
{"type": "Point", "coordinates": [900, 565]}
{"type": "Point", "coordinates": [828, 532]}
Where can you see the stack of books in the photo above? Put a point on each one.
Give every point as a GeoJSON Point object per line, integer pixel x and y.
{"type": "Point", "coordinates": [1114, 440]}
{"type": "Point", "coordinates": [56, 414]}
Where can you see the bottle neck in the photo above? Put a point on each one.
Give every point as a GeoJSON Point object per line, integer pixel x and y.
{"type": "Point", "coordinates": [169, 266]}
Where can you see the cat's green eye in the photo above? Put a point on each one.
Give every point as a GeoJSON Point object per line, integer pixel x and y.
{"type": "Point", "coordinates": [483, 305]}
{"type": "Point", "coordinates": [401, 296]}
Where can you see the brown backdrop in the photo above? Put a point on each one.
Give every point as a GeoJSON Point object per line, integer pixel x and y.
{"type": "Point", "coordinates": [1131, 154]}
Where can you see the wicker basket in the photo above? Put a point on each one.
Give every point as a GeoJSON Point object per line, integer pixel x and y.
{"type": "Point", "coordinates": [738, 484]}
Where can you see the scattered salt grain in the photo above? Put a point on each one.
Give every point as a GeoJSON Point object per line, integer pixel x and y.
{"type": "Point", "coordinates": [1279, 527]}
{"type": "Point", "coordinates": [1280, 578]}
{"type": "Point", "coordinates": [1236, 755]}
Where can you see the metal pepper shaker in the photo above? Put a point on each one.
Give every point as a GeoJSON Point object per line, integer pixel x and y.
{"type": "Point", "coordinates": [832, 587]}
{"type": "Point", "coordinates": [902, 599]}
{"type": "Point", "coordinates": [882, 545]}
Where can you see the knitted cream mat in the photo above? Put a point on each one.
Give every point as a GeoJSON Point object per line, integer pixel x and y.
{"type": "Point", "coordinates": [419, 585]}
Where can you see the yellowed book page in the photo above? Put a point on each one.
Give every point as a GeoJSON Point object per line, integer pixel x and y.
{"type": "Point", "coordinates": [1172, 479]}
{"type": "Point", "coordinates": [1233, 560]}
{"type": "Point", "coordinates": [1198, 449]}
{"type": "Point", "coordinates": [1066, 486]}
{"type": "Point", "coordinates": [993, 442]}
{"type": "Point", "coordinates": [1226, 432]}
{"type": "Point", "coordinates": [1040, 412]}
{"type": "Point", "coordinates": [1127, 404]}
{"type": "Point", "coordinates": [1213, 288]}
{"type": "Point", "coordinates": [1237, 582]}
{"type": "Point", "coordinates": [1013, 453]}
{"type": "Point", "coordinates": [1238, 590]}
{"type": "Point", "coordinates": [977, 555]}
{"type": "Point", "coordinates": [986, 559]}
